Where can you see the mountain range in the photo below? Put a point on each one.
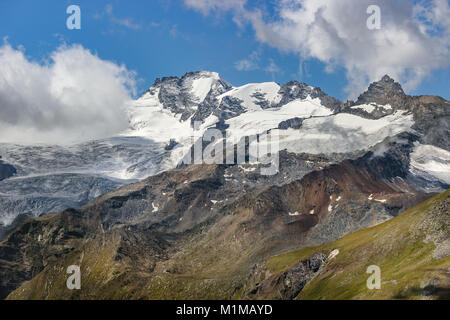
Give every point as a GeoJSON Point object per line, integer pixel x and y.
{"type": "Point", "coordinates": [358, 183]}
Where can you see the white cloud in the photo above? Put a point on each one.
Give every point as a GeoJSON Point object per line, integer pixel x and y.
{"type": "Point", "coordinates": [127, 22]}
{"type": "Point", "coordinates": [413, 40]}
{"type": "Point", "coordinates": [250, 63]}
{"type": "Point", "coordinates": [75, 96]}
{"type": "Point", "coordinates": [272, 67]}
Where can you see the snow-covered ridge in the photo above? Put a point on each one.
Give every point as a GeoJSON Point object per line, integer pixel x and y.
{"type": "Point", "coordinates": [252, 93]}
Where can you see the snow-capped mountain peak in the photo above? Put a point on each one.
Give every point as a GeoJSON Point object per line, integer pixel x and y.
{"type": "Point", "coordinates": [161, 132]}
{"type": "Point", "coordinates": [183, 95]}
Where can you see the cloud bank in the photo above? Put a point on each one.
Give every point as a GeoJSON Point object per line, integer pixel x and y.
{"type": "Point", "coordinates": [413, 40]}
{"type": "Point", "coordinates": [75, 96]}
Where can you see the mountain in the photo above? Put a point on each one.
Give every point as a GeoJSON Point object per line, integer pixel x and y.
{"type": "Point", "coordinates": [51, 178]}
{"type": "Point", "coordinates": [143, 224]}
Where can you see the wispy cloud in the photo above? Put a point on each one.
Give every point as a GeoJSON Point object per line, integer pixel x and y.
{"type": "Point", "coordinates": [127, 22]}
{"type": "Point", "coordinates": [124, 22]}
{"type": "Point", "coordinates": [272, 67]}
{"type": "Point", "coordinates": [253, 62]}
{"type": "Point", "coordinates": [249, 63]}
{"type": "Point", "coordinates": [174, 31]}
{"type": "Point", "coordinates": [208, 6]}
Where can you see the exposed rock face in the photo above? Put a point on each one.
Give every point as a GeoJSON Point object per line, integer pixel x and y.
{"type": "Point", "coordinates": [176, 93]}
{"type": "Point", "coordinates": [172, 143]}
{"type": "Point", "coordinates": [383, 92]}
{"type": "Point", "coordinates": [294, 123]}
{"type": "Point", "coordinates": [299, 90]}
{"type": "Point", "coordinates": [288, 285]}
{"type": "Point", "coordinates": [336, 270]}
{"type": "Point", "coordinates": [228, 108]}
{"type": "Point", "coordinates": [432, 120]}
{"type": "Point", "coordinates": [6, 170]}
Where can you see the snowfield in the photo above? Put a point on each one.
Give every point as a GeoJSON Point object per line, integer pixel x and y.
{"type": "Point", "coordinates": [342, 133]}
{"type": "Point", "coordinates": [247, 93]}
{"type": "Point", "coordinates": [322, 132]}
{"type": "Point", "coordinates": [431, 162]}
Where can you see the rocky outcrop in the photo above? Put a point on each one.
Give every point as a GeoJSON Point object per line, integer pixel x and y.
{"type": "Point", "coordinates": [287, 285]}
{"type": "Point", "coordinates": [432, 120]}
{"type": "Point", "coordinates": [6, 170]}
{"type": "Point", "coordinates": [293, 90]}
{"type": "Point", "coordinates": [383, 92]}
{"type": "Point", "coordinates": [175, 93]}
{"type": "Point", "coordinates": [294, 123]}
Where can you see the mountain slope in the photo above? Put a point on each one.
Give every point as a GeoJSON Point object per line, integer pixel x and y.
{"type": "Point", "coordinates": [412, 251]}
{"type": "Point", "coordinates": [196, 233]}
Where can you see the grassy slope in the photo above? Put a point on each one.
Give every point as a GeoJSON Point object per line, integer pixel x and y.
{"type": "Point", "coordinates": [399, 247]}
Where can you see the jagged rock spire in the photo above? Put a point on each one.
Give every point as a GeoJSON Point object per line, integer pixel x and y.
{"type": "Point", "coordinates": [385, 91]}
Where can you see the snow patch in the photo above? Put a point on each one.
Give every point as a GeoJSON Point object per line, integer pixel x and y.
{"type": "Point", "coordinates": [202, 86]}
{"type": "Point", "coordinates": [333, 254]}
{"type": "Point", "coordinates": [247, 169]}
{"type": "Point", "coordinates": [369, 108]}
{"type": "Point", "coordinates": [365, 107]}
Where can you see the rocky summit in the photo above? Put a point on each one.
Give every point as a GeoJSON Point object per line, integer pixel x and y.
{"type": "Point", "coordinates": [356, 184]}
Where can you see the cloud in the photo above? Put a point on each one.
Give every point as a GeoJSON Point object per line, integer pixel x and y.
{"type": "Point", "coordinates": [250, 63]}
{"type": "Point", "coordinates": [174, 31]}
{"type": "Point", "coordinates": [76, 96]}
{"type": "Point", "coordinates": [272, 67]}
{"type": "Point", "coordinates": [125, 22]}
{"type": "Point", "coordinates": [208, 6]}
{"type": "Point", "coordinates": [413, 40]}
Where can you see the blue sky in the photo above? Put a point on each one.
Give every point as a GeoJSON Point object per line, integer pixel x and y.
{"type": "Point", "coordinates": [164, 38]}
